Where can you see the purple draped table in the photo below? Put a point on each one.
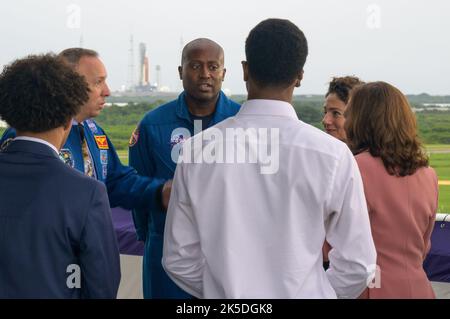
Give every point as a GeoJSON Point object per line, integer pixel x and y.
{"type": "Point", "coordinates": [126, 233]}
{"type": "Point", "coordinates": [437, 263]}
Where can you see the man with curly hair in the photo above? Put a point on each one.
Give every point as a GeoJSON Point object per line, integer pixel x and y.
{"type": "Point", "coordinates": [56, 233]}
{"type": "Point", "coordinates": [88, 148]}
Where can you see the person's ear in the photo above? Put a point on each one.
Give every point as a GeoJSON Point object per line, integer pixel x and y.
{"type": "Point", "coordinates": [180, 72]}
{"type": "Point", "coordinates": [68, 125]}
{"type": "Point", "coordinates": [299, 79]}
{"type": "Point", "coordinates": [245, 70]}
{"type": "Point", "coordinates": [223, 74]}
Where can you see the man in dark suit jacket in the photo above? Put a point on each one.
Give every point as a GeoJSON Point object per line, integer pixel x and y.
{"type": "Point", "coordinates": [56, 233]}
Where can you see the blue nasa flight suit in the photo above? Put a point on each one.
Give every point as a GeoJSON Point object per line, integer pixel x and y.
{"type": "Point", "coordinates": [125, 187]}
{"type": "Point", "coordinates": [150, 152]}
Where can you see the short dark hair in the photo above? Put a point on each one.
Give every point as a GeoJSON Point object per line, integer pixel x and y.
{"type": "Point", "coordinates": [276, 52]}
{"type": "Point", "coordinates": [40, 92]}
{"type": "Point", "coordinates": [379, 119]}
{"type": "Point", "coordinates": [73, 55]}
{"type": "Point", "coordinates": [197, 42]}
{"type": "Point", "coordinates": [343, 86]}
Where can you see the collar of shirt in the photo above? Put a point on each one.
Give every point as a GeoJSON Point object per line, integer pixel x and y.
{"type": "Point", "coordinates": [74, 122]}
{"type": "Point", "coordinates": [37, 140]}
{"type": "Point", "coordinates": [267, 107]}
{"type": "Point", "coordinates": [182, 110]}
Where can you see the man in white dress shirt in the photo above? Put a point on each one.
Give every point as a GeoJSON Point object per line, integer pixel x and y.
{"type": "Point", "coordinates": [255, 196]}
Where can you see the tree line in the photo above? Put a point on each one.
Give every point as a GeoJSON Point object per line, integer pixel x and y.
{"type": "Point", "coordinates": [119, 122]}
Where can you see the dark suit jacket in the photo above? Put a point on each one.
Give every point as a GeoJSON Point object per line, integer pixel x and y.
{"type": "Point", "coordinates": [54, 221]}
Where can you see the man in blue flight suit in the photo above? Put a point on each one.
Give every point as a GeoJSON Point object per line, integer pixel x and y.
{"type": "Point", "coordinates": [155, 143]}
{"type": "Point", "coordinates": [88, 148]}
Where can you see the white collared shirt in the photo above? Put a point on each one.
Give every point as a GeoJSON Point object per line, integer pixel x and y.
{"type": "Point", "coordinates": [237, 231]}
{"type": "Point", "coordinates": [37, 140]}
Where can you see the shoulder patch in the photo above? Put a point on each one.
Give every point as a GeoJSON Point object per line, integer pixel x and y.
{"type": "Point", "coordinates": [134, 137]}
{"type": "Point", "coordinates": [102, 142]}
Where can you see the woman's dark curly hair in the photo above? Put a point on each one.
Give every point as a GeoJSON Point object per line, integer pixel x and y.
{"type": "Point", "coordinates": [379, 119]}
{"type": "Point", "coordinates": [40, 92]}
{"type": "Point", "coordinates": [342, 87]}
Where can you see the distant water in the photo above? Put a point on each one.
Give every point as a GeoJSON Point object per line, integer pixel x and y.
{"type": "Point", "coordinates": [118, 104]}
{"type": "Point", "coordinates": [437, 104]}
{"type": "Point", "coordinates": [433, 107]}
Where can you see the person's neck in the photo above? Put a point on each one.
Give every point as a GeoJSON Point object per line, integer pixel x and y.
{"type": "Point", "coordinates": [80, 118]}
{"type": "Point", "coordinates": [270, 93]}
{"type": "Point", "coordinates": [54, 137]}
{"type": "Point", "coordinates": [201, 108]}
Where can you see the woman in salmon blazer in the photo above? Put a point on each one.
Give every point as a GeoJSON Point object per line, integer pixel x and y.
{"type": "Point", "coordinates": [401, 189]}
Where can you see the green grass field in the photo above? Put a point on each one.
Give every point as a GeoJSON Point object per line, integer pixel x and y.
{"type": "Point", "coordinates": [123, 155]}
{"type": "Point", "coordinates": [441, 164]}
{"type": "Point", "coordinates": [439, 161]}
{"type": "Point", "coordinates": [444, 199]}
